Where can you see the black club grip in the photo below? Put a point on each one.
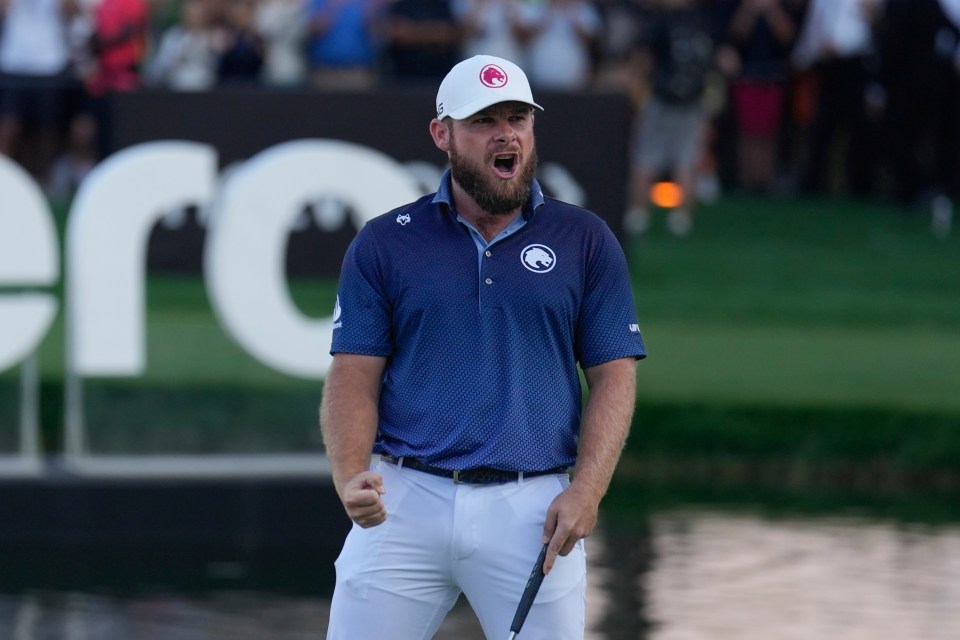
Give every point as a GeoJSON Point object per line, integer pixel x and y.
{"type": "Point", "coordinates": [529, 592]}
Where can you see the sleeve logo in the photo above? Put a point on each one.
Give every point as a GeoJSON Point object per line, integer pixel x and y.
{"type": "Point", "coordinates": [336, 314]}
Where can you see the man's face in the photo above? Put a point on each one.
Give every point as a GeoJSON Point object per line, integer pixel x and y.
{"type": "Point", "coordinates": [493, 156]}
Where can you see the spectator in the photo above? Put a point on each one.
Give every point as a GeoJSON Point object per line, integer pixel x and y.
{"type": "Point", "coordinates": [80, 29]}
{"type": "Point", "coordinates": [186, 59]}
{"type": "Point", "coordinates": [490, 27]}
{"type": "Point", "coordinates": [836, 42]}
{"type": "Point", "coordinates": [119, 42]}
{"type": "Point", "coordinates": [763, 33]}
{"type": "Point", "coordinates": [282, 25]}
{"type": "Point", "coordinates": [625, 22]}
{"type": "Point", "coordinates": [919, 60]}
{"type": "Point", "coordinates": [76, 161]}
{"type": "Point", "coordinates": [117, 45]}
{"type": "Point", "coordinates": [342, 49]}
{"type": "Point", "coordinates": [78, 151]}
{"type": "Point", "coordinates": [422, 40]}
{"type": "Point", "coordinates": [561, 36]}
{"type": "Point", "coordinates": [673, 60]}
{"type": "Point", "coordinates": [242, 47]}
{"type": "Point", "coordinates": [35, 73]}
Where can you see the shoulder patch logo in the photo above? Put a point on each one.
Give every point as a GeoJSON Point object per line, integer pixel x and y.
{"type": "Point", "coordinates": [336, 314]}
{"type": "Point", "coordinates": [403, 219]}
{"type": "Point", "coordinates": [538, 258]}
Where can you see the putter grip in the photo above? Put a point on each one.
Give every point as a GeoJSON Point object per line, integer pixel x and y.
{"type": "Point", "coordinates": [529, 592]}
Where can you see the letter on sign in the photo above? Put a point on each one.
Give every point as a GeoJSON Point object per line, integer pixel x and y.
{"type": "Point", "coordinates": [107, 236]}
{"type": "Point", "coordinates": [244, 260]}
{"type": "Point", "coordinates": [29, 257]}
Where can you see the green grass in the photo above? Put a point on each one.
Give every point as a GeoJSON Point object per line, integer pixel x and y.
{"type": "Point", "coordinates": [807, 338]}
{"type": "Point", "coordinates": [762, 262]}
{"type": "Point", "coordinates": [795, 365]}
{"type": "Point", "coordinates": [186, 344]}
{"type": "Point", "coordinates": [801, 304]}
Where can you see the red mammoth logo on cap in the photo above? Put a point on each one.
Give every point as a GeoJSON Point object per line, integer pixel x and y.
{"type": "Point", "coordinates": [493, 76]}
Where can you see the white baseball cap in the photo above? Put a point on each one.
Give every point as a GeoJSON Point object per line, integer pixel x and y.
{"type": "Point", "coordinates": [478, 82]}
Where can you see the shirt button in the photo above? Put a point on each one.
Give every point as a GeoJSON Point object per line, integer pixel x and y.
{"type": "Point", "coordinates": [487, 253]}
{"type": "Point", "coordinates": [488, 281]}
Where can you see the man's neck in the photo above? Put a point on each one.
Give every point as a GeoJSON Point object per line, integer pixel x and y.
{"type": "Point", "coordinates": [487, 224]}
{"type": "Point", "coordinates": [490, 225]}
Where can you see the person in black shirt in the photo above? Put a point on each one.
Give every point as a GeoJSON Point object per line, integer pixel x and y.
{"type": "Point", "coordinates": [670, 67]}
{"type": "Point", "coordinates": [423, 40]}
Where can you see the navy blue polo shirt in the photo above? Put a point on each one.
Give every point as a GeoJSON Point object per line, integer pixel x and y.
{"type": "Point", "coordinates": [482, 357]}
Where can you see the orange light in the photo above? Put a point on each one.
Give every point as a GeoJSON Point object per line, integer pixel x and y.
{"type": "Point", "coordinates": [666, 195]}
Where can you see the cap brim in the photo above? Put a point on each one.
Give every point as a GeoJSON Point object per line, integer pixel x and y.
{"type": "Point", "coordinates": [479, 105]}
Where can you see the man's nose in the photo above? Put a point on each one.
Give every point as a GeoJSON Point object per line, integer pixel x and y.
{"type": "Point", "coordinates": [505, 133]}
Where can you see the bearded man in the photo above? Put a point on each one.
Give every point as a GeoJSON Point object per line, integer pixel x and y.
{"type": "Point", "coordinates": [465, 318]}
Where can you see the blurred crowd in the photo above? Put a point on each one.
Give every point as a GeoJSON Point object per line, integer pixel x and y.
{"type": "Point", "coordinates": [855, 97]}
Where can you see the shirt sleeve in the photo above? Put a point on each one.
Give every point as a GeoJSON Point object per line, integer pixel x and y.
{"type": "Point", "coordinates": [607, 328]}
{"type": "Point", "coordinates": [362, 317]}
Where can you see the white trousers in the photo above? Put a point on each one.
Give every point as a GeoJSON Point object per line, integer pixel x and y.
{"type": "Point", "coordinates": [398, 580]}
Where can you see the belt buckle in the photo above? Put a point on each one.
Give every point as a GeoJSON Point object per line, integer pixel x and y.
{"type": "Point", "coordinates": [456, 477]}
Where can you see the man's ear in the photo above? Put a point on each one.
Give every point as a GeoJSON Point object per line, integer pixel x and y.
{"type": "Point", "coordinates": [440, 133]}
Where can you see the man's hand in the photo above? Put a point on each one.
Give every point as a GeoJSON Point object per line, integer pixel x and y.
{"type": "Point", "coordinates": [361, 499]}
{"type": "Point", "coordinates": [572, 516]}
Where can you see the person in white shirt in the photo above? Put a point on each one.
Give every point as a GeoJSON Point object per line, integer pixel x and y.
{"type": "Point", "coordinates": [490, 27]}
{"type": "Point", "coordinates": [283, 25]}
{"type": "Point", "coordinates": [186, 59]}
{"type": "Point", "coordinates": [560, 37]}
{"type": "Point", "coordinates": [35, 72]}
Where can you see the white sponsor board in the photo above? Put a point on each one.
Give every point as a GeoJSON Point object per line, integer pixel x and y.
{"type": "Point", "coordinates": [250, 213]}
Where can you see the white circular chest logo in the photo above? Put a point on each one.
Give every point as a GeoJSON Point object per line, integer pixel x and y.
{"type": "Point", "coordinates": [538, 258]}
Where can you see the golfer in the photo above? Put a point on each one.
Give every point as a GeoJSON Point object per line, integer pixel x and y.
{"type": "Point", "coordinates": [461, 321]}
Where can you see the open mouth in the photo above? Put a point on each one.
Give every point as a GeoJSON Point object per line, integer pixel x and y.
{"type": "Point", "coordinates": [505, 165]}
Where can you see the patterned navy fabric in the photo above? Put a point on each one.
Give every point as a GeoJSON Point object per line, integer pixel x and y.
{"type": "Point", "coordinates": [482, 363]}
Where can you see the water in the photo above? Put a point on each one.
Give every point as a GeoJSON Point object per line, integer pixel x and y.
{"type": "Point", "coordinates": [723, 576]}
{"type": "Point", "coordinates": [681, 575]}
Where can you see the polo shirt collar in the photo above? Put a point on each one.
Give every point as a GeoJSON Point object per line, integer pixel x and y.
{"type": "Point", "coordinates": [445, 195]}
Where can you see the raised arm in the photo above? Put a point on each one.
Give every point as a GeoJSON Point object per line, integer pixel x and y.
{"type": "Point", "coordinates": [348, 422]}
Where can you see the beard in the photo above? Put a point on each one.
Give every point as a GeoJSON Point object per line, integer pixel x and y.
{"type": "Point", "coordinates": [496, 197]}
